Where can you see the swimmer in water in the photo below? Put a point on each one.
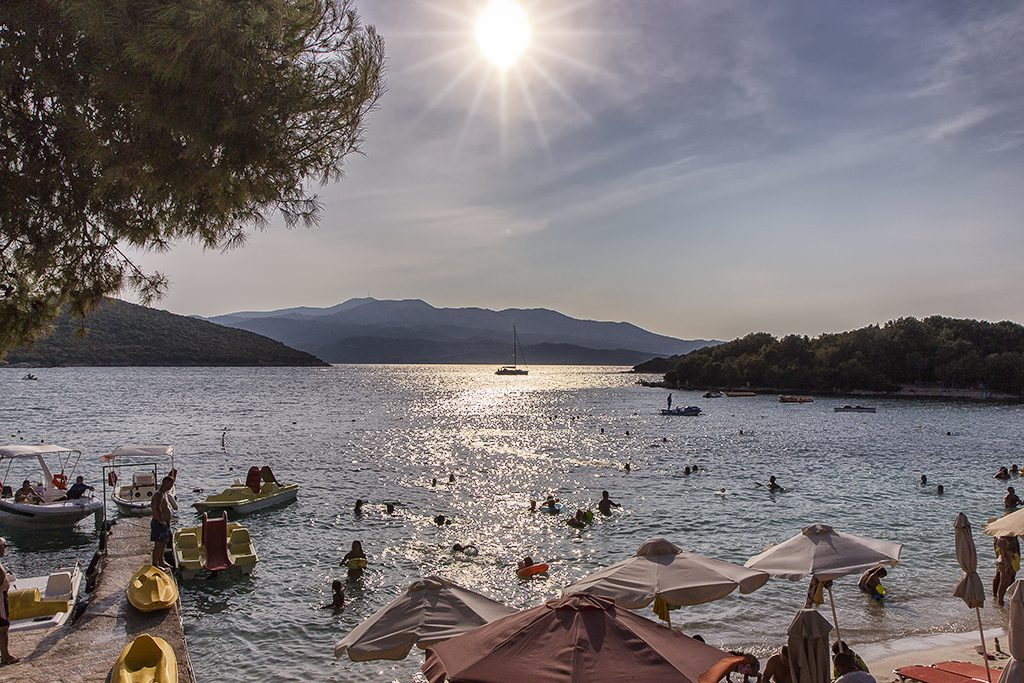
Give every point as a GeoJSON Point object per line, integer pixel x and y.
{"type": "Point", "coordinates": [1011, 501]}
{"type": "Point", "coordinates": [468, 549]}
{"type": "Point", "coordinates": [441, 520]}
{"type": "Point", "coordinates": [773, 485]}
{"type": "Point", "coordinates": [871, 579]}
{"type": "Point", "coordinates": [451, 478]}
{"type": "Point", "coordinates": [578, 521]}
{"type": "Point", "coordinates": [606, 504]}
{"type": "Point", "coordinates": [433, 482]}
{"type": "Point", "coordinates": [389, 508]}
{"type": "Point", "coordinates": [533, 505]}
{"type": "Point", "coordinates": [686, 470]}
{"type": "Point", "coordinates": [924, 480]}
{"type": "Point", "coordinates": [359, 506]}
{"type": "Point", "coordinates": [628, 469]}
{"type": "Point", "coordinates": [1003, 473]}
{"type": "Point", "coordinates": [549, 503]}
{"type": "Point", "coordinates": [337, 596]}
{"type": "Point", "coordinates": [355, 568]}
{"type": "Point", "coordinates": [940, 489]}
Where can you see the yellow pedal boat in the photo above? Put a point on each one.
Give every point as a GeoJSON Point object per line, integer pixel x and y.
{"type": "Point", "coordinates": [145, 660]}
{"type": "Point", "coordinates": [261, 490]}
{"type": "Point", "coordinates": [215, 545]}
{"type": "Point", "coordinates": [151, 589]}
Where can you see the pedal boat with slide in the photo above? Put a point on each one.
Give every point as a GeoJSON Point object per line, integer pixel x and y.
{"type": "Point", "coordinates": [136, 499]}
{"type": "Point", "coordinates": [55, 511]}
{"type": "Point", "coordinates": [261, 490]}
{"type": "Point", "coordinates": [214, 545]}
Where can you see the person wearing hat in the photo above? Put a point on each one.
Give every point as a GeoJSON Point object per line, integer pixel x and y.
{"type": "Point", "coordinates": [6, 579]}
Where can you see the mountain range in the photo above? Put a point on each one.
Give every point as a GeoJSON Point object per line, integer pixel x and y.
{"type": "Point", "coordinates": [368, 330]}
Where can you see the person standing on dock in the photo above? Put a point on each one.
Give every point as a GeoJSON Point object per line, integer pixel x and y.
{"type": "Point", "coordinates": [160, 525]}
{"type": "Point", "coordinates": [6, 579]}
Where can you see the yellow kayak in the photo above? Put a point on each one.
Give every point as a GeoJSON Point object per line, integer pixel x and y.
{"type": "Point", "coordinates": [151, 589]}
{"type": "Point", "coordinates": [145, 660]}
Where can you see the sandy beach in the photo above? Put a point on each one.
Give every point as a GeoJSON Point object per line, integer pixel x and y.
{"type": "Point", "coordinates": [883, 658]}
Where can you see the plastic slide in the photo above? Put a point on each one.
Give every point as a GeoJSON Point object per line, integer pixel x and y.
{"type": "Point", "coordinates": [215, 540]}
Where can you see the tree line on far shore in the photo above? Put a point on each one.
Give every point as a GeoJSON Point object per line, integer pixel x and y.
{"type": "Point", "coordinates": [936, 351]}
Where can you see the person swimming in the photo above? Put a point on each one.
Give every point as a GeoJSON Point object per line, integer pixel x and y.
{"type": "Point", "coordinates": [924, 480]}
{"type": "Point", "coordinates": [773, 485]}
{"type": "Point", "coordinates": [533, 505]}
{"type": "Point", "coordinates": [940, 489]}
{"type": "Point", "coordinates": [686, 470]}
{"type": "Point", "coordinates": [359, 506]}
{"type": "Point", "coordinates": [549, 503]}
{"type": "Point", "coordinates": [606, 504]}
{"type": "Point", "coordinates": [1003, 473]}
{"type": "Point", "coordinates": [451, 478]}
{"type": "Point", "coordinates": [627, 468]}
{"type": "Point", "coordinates": [389, 508]}
{"type": "Point", "coordinates": [441, 520]}
{"type": "Point", "coordinates": [577, 521]}
{"type": "Point", "coordinates": [355, 561]}
{"type": "Point", "coordinates": [469, 549]}
{"type": "Point", "coordinates": [1011, 501]}
{"type": "Point", "coordinates": [337, 596]}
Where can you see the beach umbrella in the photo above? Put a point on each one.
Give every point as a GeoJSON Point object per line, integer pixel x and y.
{"type": "Point", "coordinates": [970, 589]}
{"type": "Point", "coordinates": [430, 611]}
{"type": "Point", "coordinates": [1008, 525]}
{"type": "Point", "coordinates": [808, 647]}
{"type": "Point", "coordinates": [825, 554]}
{"type": "Point", "coordinates": [659, 569]}
{"type": "Point", "coordinates": [576, 638]}
{"type": "Point", "coordinates": [1013, 672]}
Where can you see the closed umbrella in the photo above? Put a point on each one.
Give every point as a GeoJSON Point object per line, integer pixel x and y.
{"type": "Point", "coordinates": [1013, 672]}
{"type": "Point", "coordinates": [826, 554]}
{"type": "Point", "coordinates": [662, 570]}
{"type": "Point", "coordinates": [430, 611]}
{"type": "Point", "coordinates": [576, 638]}
{"type": "Point", "coordinates": [808, 647]}
{"type": "Point", "coordinates": [970, 589]}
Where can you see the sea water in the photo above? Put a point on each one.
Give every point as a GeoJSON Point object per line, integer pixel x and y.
{"type": "Point", "coordinates": [381, 433]}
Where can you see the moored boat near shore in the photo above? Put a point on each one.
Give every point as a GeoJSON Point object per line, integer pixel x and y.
{"type": "Point", "coordinates": [39, 602]}
{"type": "Point", "coordinates": [790, 398]}
{"type": "Point", "coordinates": [47, 505]}
{"type": "Point", "coordinates": [854, 409]}
{"type": "Point", "coordinates": [686, 411]}
{"type": "Point", "coordinates": [261, 490]}
{"type": "Point", "coordinates": [136, 498]}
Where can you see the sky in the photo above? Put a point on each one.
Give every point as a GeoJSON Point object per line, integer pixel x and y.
{"type": "Point", "coordinates": [701, 169]}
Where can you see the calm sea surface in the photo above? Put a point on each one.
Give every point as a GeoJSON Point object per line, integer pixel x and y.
{"type": "Point", "coordinates": [382, 432]}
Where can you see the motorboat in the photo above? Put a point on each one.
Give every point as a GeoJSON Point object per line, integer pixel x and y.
{"type": "Point", "coordinates": [135, 499]}
{"type": "Point", "coordinates": [261, 490]}
{"type": "Point", "coordinates": [151, 589]}
{"type": "Point", "coordinates": [41, 602]}
{"type": "Point", "coordinates": [854, 409]}
{"type": "Point", "coordinates": [48, 506]}
{"type": "Point", "coordinates": [513, 369]}
{"type": "Point", "coordinates": [214, 545]}
{"type": "Point", "coordinates": [687, 411]}
{"type": "Point", "coordinates": [790, 398]}
{"type": "Point", "coordinates": [147, 659]}
{"type": "Point", "coordinates": [712, 394]}
{"type": "Point", "coordinates": [30, 376]}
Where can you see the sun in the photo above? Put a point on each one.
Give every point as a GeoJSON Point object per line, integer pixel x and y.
{"type": "Point", "coordinates": [503, 32]}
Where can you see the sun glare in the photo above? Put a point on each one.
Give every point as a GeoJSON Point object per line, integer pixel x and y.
{"type": "Point", "coordinates": [502, 32]}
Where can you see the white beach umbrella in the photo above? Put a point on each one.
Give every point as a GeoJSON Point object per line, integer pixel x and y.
{"type": "Point", "coordinates": [1007, 525]}
{"type": "Point", "coordinates": [1013, 672]}
{"type": "Point", "coordinates": [969, 589]}
{"type": "Point", "coordinates": [808, 647]}
{"type": "Point", "coordinates": [432, 610]}
{"type": "Point", "coordinates": [826, 554]}
{"type": "Point", "coordinates": [660, 569]}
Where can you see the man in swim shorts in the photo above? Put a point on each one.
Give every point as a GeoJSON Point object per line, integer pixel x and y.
{"type": "Point", "coordinates": [160, 525]}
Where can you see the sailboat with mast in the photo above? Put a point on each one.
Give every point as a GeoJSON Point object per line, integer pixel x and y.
{"type": "Point", "coordinates": [513, 369]}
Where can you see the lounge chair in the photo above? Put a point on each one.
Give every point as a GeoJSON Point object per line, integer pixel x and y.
{"type": "Point", "coordinates": [929, 674]}
{"type": "Point", "coordinates": [969, 669]}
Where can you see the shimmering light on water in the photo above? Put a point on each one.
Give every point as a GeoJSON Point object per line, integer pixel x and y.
{"type": "Point", "coordinates": [382, 432]}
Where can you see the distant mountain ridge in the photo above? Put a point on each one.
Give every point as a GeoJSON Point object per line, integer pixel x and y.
{"type": "Point", "coordinates": [118, 333]}
{"type": "Point", "coordinates": [368, 330]}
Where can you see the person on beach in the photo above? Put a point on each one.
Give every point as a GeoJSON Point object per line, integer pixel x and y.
{"type": "Point", "coordinates": [776, 669]}
{"type": "Point", "coordinates": [849, 670]}
{"type": "Point", "coordinates": [78, 489]}
{"type": "Point", "coordinates": [841, 648]}
{"type": "Point", "coordinates": [6, 579]}
{"type": "Point", "coordinates": [1007, 564]}
{"type": "Point", "coordinates": [773, 485]}
{"type": "Point", "coordinates": [337, 596]}
{"type": "Point", "coordinates": [355, 561]}
{"type": "Point", "coordinates": [1003, 474]}
{"type": "Point", "coordinates": [26, 494]}
{"type": "Point", "coordinates": [160, 524]}
{"type": "Point", "coordinates": [1011, 501]}
{"type": "Point", "coordinates": [606, 504]}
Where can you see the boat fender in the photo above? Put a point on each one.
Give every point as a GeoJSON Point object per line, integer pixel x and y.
{"type": "Point", "coordinates": [60, 480]}
{"type": "Point", "coordinates": [112, 478]}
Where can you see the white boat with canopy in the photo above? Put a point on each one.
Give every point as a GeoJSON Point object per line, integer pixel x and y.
{"type": "Point", "coordinates": [48, 507]}
{"type": "Point", "coordinates": [136, 498]}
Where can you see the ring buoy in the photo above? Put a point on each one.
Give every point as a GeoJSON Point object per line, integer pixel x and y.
{"type": "Point", "coordinates": [532, 570]}
{"type": "Point", "coordinates": [112, 478]}
{"type": "Point", "coordinates": [60, 480]}
{"type": "Point", "coordinates": [356, 563]}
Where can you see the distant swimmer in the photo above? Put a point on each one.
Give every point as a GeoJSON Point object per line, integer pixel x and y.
{"type": "Point", "coordinates": [773, 485]}
{"type": "Point", "coordinates": [606, 504]}
{"type": "Point", "coordinates": [627, 432]}
{"type": "Point", "coordinates": [1014, 470]}
{"type": "Point", "coordinates": [533, 505]}
{"type": "Point", "coordinates": [924, 480]}
{"type": "Point", "coordinates": [389, 508]}
{"type": "Point", "coordinates": [441, 520]}
{"type": "Point", "coordinates": [1003, 474]}
{"type": "Point", "coordinates": [355, 561]}
{"type": "Point", "coordinates": [686, 470]}
{"type": "Point", "coordinates": [721, 492]}
{"type": "Point", "coordinates": [337, 602]}
{"type": "Point", "coordinates": [451, 478]}
{"type": "Point", "coordinates": [469, 549]}
{"type": "Point", "coordinates": [1011, 500]}
{"type": "Point", "coordinates": [433, 482]}
{"type": "Point", "coordinates": [741, 432]}
{"type": "Point", "coordinates": [602, 430]}
{"type": "Point", "coordinates": [550, 504]}
{"type": "Point", "coordinates": [359, 506]}
{"type": "Point", "coordinates": [627, 468]}
{"type": "Point", "coordinates": [579, 520]}
{"type": "Point", "coordinates": [940, 489]}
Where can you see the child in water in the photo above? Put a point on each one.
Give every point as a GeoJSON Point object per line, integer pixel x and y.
{"type": "Point", "coordinates": [355, 561]}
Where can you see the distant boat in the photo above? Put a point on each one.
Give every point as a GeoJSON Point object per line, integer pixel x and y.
{"type": "Point", "coordinates": [688, 411]}
{"type": "Point", "coordinates": [513, 369]}
{"type": "Point", "coordinates": [30, 376]}
{"type": "Point", "coordinates": [712, 394]}
{"type": "Point", "coordinates": [735, 394]}
{"type": "Point", "coordinates": [788, 398]}
{"type": "Point", "coordinates": [854, 409]}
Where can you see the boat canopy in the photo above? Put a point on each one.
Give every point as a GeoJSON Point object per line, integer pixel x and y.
{"type": "Point", "coordinates": [135, 450]}
{"type": "Point", "coordinates": [33, 451]}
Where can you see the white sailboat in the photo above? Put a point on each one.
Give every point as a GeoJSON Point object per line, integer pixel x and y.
{"type": "Point", "coordinates": [513, 369]}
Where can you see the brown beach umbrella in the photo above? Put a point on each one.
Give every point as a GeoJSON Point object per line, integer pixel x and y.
{"type": "Point", "coordinates": [1013, 672]}
{"type": "Point", "coordinates": [575, 639]}
{"type": "Point", "coordinates": [970, 589]}
{"type": "Point", "coordinates": [824, 553]}
{"type": "Point", "coordinates": [660, 569]}
{"type": "Point", "coordinates": [808, 647]}
{"type": "Point", "coordinates": [430, 611]}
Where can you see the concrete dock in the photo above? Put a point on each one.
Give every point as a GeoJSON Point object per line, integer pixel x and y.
{"type": "Point", "coordinates": [86, 649]}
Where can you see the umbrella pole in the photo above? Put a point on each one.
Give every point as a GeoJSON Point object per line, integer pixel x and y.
{"type": "Point", "coordinates": [984, 652]}
{"type": "Point", "coordinates": [835, 619]}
